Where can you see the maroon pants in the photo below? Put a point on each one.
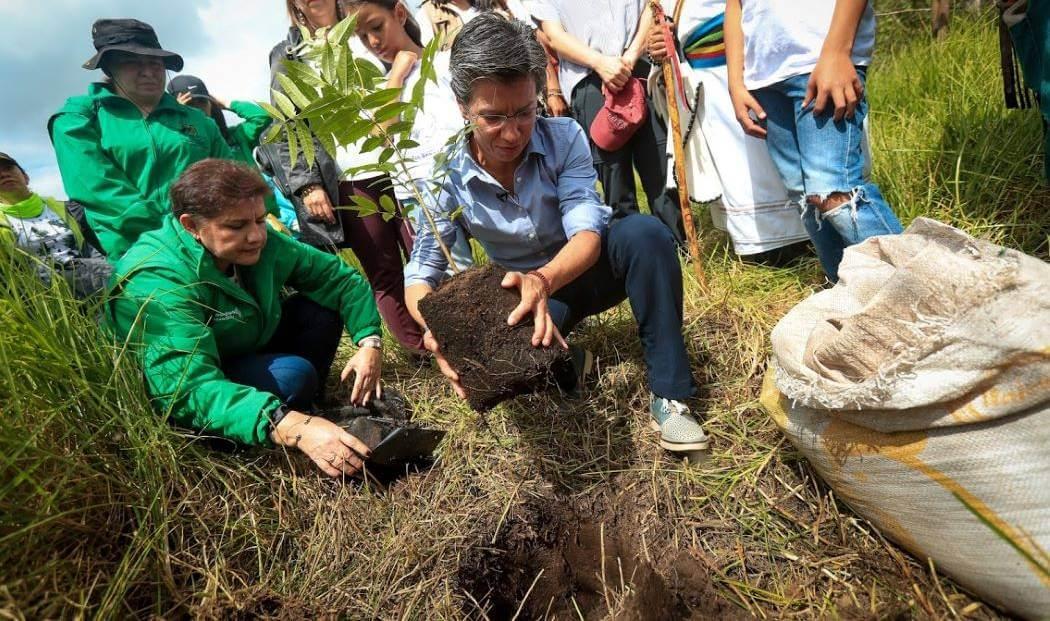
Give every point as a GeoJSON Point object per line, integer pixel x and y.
{"type": "Point", "coordinates": [382, 247]}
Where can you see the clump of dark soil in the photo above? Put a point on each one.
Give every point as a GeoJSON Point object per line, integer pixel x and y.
{"type": "Point", "coordinates": [467, 315]}
{"type": "Point", "coordinates": [554, 561]}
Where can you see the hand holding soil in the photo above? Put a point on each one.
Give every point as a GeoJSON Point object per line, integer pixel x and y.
{"type": "Point", "coordinates": [335, 451]}
{"type": "Point", "coordinates": [367, 366]}
{"type": "Point", "coordinates": [486, 359]}
{"type": "Point", "coordinates": [446, 369]}
{"type": "Point", "coordinates": [533, 302]}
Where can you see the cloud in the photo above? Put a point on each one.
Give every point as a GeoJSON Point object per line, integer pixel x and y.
{"type": "Point", "coordinates": [224, 42]}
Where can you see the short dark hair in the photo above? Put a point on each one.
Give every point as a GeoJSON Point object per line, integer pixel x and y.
{"type": "Point", "coordinates": [493, 47]}
{"type": "Point", "coordinates": [207, 188]}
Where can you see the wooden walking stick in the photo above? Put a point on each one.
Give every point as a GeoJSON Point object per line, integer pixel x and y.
{"type": "Point", "coordinates": [676, 136]}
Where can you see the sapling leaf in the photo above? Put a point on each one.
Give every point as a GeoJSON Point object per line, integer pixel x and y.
{"type": "Point", "coordinates": [272, 111]}
{"type": "Point", "coordinates": [391, 110]}
{"type": "Point", "coordinates": [380, 98]}
{"type": "Point", "coordinates": [387, 205]}
{"type": "Point", "coordinates": [291, 89]}
{"type": "Point", "coordinates": [371, 144]}
{"type": "Point", "coordinates": [271, 133]}
{"type": "Point", "coordinates": [283, 103]}
{"type": "Point", "coordinates": [306, 143]}
{"type": "Point", "coordinates": [293, 143]}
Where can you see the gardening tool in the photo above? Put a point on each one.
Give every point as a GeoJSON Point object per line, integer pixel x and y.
{"type": "Point", "coordinates": [673, 85]}
{"type": "Point", "coordinates": [385, 426]}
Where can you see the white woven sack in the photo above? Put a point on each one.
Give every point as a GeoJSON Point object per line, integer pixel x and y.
{"type": "Point", "coordinates": [919, 388]}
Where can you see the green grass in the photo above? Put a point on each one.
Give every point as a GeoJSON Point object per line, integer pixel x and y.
{"type": "Point", "coordinates": [107, 511]}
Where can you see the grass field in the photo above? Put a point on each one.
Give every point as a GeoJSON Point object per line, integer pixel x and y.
{"type": "Point", "coordinates": [107, 511]}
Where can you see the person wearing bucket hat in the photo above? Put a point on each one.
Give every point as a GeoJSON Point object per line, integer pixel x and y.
{"type": "Point", "coordinates": [42, 227]}
{"type": "Point", "coordinates": [600, 57]}
{"type": "Point", "coordinates": [120, 146]}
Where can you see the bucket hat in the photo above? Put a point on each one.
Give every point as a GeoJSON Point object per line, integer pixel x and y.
{"type": "Point", "coordinates": [131, 36]}
{"type": "Point", "coordinates": [621, 116]}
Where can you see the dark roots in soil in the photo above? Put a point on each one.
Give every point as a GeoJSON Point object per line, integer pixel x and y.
{"type": "Point", "coordinates": [467, 315]}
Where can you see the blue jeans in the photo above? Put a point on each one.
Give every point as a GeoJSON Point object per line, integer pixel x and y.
{"type": "Point", "coordinates": [816, 157]}
{"type": "Point", "coordinates": [639, 262]}
{"type": "Point", "coordinates": [295, 363]}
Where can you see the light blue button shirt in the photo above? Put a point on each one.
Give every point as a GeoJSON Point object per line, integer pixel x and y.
{"type": "Point", "coordinates": [554, 198]}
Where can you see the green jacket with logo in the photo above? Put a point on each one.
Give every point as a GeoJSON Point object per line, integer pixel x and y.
{"type": "Point", "coordinates": [182, 316]}
{"type": "Point", "coordinates": [119, 164]}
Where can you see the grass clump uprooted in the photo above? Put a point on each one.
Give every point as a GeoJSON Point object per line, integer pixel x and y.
{"type": "Point", "coordinates": [550, 506]}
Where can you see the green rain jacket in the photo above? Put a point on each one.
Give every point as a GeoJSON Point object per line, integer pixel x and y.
{"type": "Point", "coordinates": [119, 165]}
{"type": "Point", "coordinates": [244, 137]}
{"type": "Point", "coordinates": [1031, 39]}
{"type": "Point", "coordinates": [173, 306]}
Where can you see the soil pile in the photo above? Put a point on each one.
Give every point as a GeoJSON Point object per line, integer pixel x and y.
{"type": "Point", "coordinates": [467, 315]}
{"type": "Point", "coordinates": [552, 560]}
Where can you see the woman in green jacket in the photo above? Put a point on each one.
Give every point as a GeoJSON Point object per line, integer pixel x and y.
{"type": "Point", "coordinates": [200, 300]}
{"type": "Point", "coordinates": [121, 146]}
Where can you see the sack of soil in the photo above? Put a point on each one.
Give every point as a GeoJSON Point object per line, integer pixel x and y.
{"type": "Point", "coordinates": [467, 315]}
{"type": "Point", "coordinates": [919, 389]}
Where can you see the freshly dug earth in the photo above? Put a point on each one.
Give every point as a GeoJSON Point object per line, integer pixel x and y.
{"type": "Point", "coordinates": [467, 315]}
{"type": "Point", "coordinates": [556, 560]}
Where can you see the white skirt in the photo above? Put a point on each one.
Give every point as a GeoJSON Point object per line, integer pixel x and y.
{"type": "Point", "coordinates": [723, 161]}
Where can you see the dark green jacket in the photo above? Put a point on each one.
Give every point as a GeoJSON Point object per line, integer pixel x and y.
{"type": "Point", "coordinates": [1032, 43]}
{"type": "Point", "coordinates": [119, 165]}
{"type": "Point", "coordinates": [183, 316]}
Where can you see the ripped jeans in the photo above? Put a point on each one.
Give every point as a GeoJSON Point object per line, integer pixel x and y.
{"type": "Point", "coordinates": [817, 158]}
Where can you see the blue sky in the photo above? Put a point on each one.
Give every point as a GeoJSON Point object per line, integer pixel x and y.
{"type": "Point", "coordinates": [43, 44]}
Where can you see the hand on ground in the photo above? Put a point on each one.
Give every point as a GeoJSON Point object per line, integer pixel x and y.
{"type": "Point", "coordinates": [335, 451]}
{"type": "Point", "coordinates": [446, 369]}
{"type": "Point", "coordinates": [318, 205]}
{"type": "Point", "coordinates": [834, 81]}
{"type": "Point", "coordinates": [367, 367]}
{"type": "Point", "coordinates": [533, 302]}
{"type": "Point", "coordinates": [744, 104]}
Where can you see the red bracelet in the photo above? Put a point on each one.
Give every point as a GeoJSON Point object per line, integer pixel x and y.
{"type": "Point", "coordinates": [543, 279]}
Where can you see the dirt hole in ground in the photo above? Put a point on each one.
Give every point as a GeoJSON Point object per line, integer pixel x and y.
{"type": "Point", "coordinates": [551, 560]}
{"type": "Point", "coordinates": [467, 315]}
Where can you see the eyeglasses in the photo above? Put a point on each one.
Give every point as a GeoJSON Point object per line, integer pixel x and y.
{"type": "Point", "coordinates": [497, 121]}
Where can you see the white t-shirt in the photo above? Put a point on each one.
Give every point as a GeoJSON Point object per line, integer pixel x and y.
{"type": "Point", "coordinates": [438, 120]}
{"type": "Point", "coordinates": [783, 38]}
{"type": "Point", "coordinates": [606, 26]}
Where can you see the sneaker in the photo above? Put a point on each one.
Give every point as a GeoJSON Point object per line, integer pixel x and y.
{"type": "Point", "coordinates": [679, 430]}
